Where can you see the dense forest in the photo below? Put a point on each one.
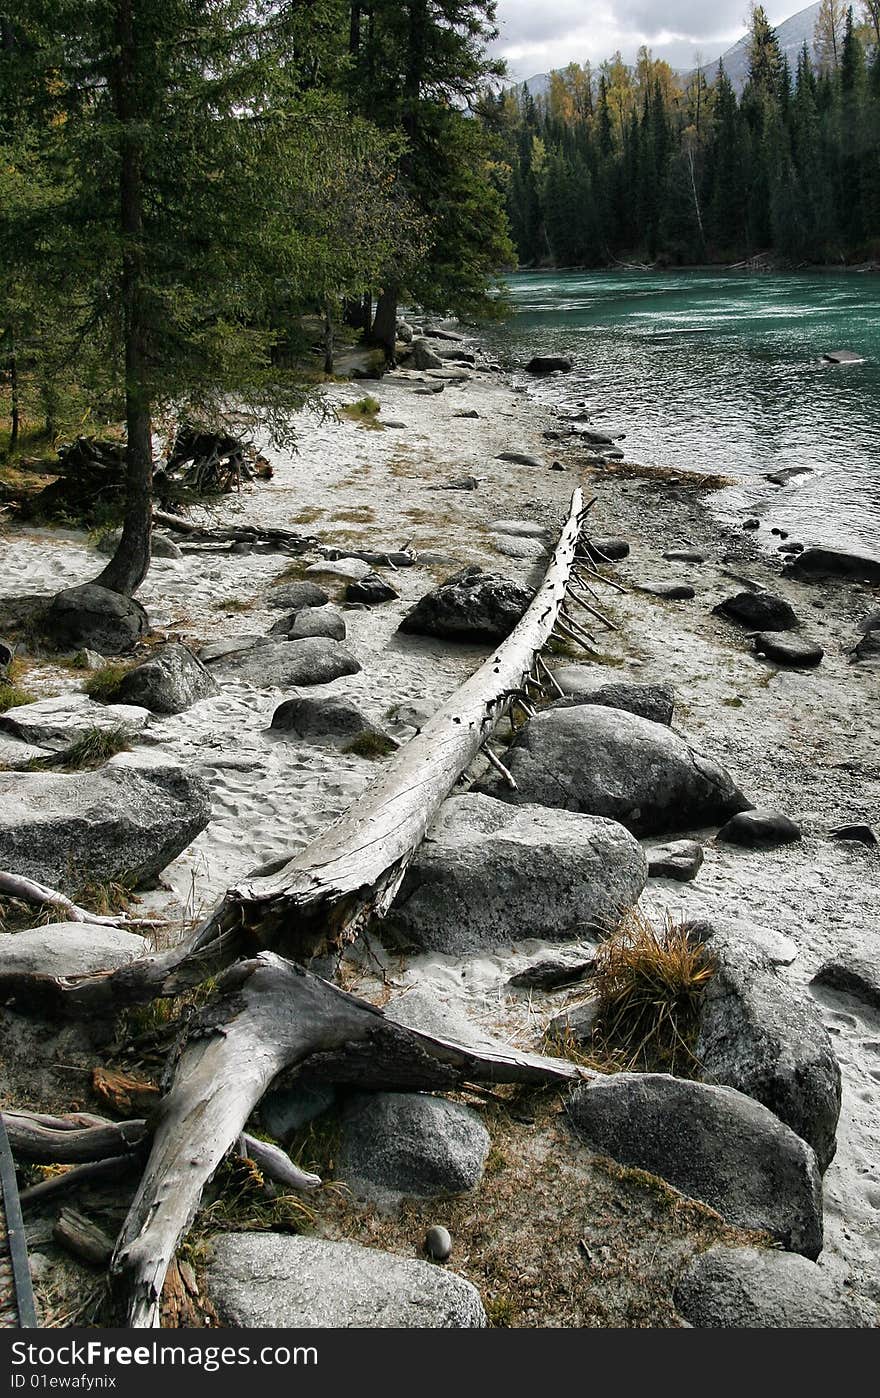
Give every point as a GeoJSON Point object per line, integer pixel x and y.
{"type": "Point", "coordinates": [635, 163]}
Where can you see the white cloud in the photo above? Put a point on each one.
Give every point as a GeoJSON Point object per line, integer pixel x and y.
{"type": "Point", "coordinates": [535, 40]}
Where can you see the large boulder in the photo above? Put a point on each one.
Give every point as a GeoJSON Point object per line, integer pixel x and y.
{"type": "Point", "coordinates": [760, 1289]}
{"type": "Point", "coordinates": [281, 1281]}
{"type": "Point", "coordinates": [489, 874]}
{"type": "Point", "coordinates": [410, 1143]}
{"type": "Point", "coordinates": [282, 664]}
{"type": "Point", "coordinates": [59, 721]}
{"type": "Point", "coordinates": [171, 680]}
{"type": "Point", "coordinates": [759, 611]}
{"type": "Point", "coordinates": [759, 829]}
{"type": "Point", "coordinates": [711, 1143]}
{"type": "Point", "coordinates": [606, 762]}
{"type": "Point", "coordinates": [765, 1037]}
{"type": "Point", "coordinates": [470, 606]}
{"type": "Point", "coordinates": [90, 617]}
{"type": "Point", "coordinates": [423, 357]}
{"type": "Point", "coordinates": [119, 824]}
{"type": "Point", "coordinates": [327, 720]}
{"type": "Point", "coordinates": [852, 974]}
{"type": "Point", "coordinates": [311, 621]}
{"type": "Point", "coordinates": [68, 949]}
{"type": "Point", "coordinates": [835, 563]}
{"type": "Point", "coordinates": [653, 701]}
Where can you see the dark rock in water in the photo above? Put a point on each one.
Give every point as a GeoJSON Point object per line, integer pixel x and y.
{"type": "Point", "coordinates": [284, 1282]}
{"type": "Point", "coordinates": [864, 834]}
{"type": "Point", "coordinates": [759, 610]}
{"type": "Point", "coordinates": [854, 976]}
{"type": "Point", "coordinates": [752, 523]}
{"type": "Point", "coordinates": [295, 596]}
{"type": "Point", "coordinates": [761, 1289]}
{"type": "Point", "coordinates": [608, 762]}
{"type": "Point", "coordinates": [314, 720]}
{"type": "Point", "coordinates": [521, 458]}
{"type": "Point", "coordinates": [684, 556]}
{"type": "Point", "coordinates": [489, 874]}
{"type": "Point", "coordinates": [470, 606]}
{"type": "Point", "coordinates": [671, 592]}
{"type": "Point", "coordinates": [371, 590]}
{"type": "Point", "coordinates": [90, 617]}
{"type": "Point", "coordinates": [844, 357]}
{"type": "Point", "coordinates": [438, 1243]}
{"type": "Point", "coordinates": [168, 682]}
{"type": "Point", "coordinates": [765, 1037]}
{"type": "Point", "coordinates": [553, 972]}
{"type": "Point", "coordinates": [680, 860]}
{"type": "Point", "coordinates": [603, 550]}
{"type": "Point", "coordinates": [711, 1143]}
{"type": "Point", "coordinates": [410, 1143]}
{"type": "Point", "coordinates": [757, 828]}
{"type": "Point", "coordinates": [577, 1022]}
{"type": "Point", "coordinates": [282, 664]}
{"type": "Point", "coordinates": [549, 364]}
{"type": "Point", "coordinates": [787, 651]}
{"type": "Point", "coordinates": [834, 563]}
{"type": "Point", "coordinates": [653, 701]}
{"type": "Point", "coordinates": [119, 824]}
{"type": "Point", "coordinates": [788, 473]}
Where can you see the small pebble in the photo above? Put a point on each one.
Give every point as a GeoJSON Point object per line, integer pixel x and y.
{"type": "Point", "coordinates": [438, 1243]}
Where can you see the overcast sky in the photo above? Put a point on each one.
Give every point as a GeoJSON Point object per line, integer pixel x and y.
{"type": "Point", "coordinates": [536, 37]}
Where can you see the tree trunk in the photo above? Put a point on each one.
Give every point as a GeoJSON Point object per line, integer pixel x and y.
{"type": "Point", "coordinates": [367, 314]}
{"type": "Point", "coordinates": [384, 329]}
{"type": "Point", "coordinates": [15, 410]}
{"type": "Point", "coordinates": [130, 563]}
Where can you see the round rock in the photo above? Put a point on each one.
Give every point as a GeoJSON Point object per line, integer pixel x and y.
{"type": "Point", "coordinates": [294, 596]}
{"type": "Point", "coordinates": [787, 651]}
{"type": "Point", "coordinates": [759, 827]}
{"type": "Point", "coordinates": [438, 1243]}
{"type": "Point", "coordinates": [759, 1289]}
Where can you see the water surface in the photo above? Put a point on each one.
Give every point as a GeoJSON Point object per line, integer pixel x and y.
{"type": "Point", "coordinates": [722, 372]}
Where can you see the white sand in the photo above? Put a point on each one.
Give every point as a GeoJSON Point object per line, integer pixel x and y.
{"type": "Point", "coordinates": [805, 743]}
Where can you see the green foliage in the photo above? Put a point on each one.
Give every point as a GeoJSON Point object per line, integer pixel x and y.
{"type": "Point", "coordinates": [103, 684]}
{"type": "Point", "coordinates": [90, 750]}
{"type": "Point", "coordinates": [12, 696]}
{"type": "Point", "coordinates": [371, 745]}
{"type": "Point", "coordinates": [634, 164]}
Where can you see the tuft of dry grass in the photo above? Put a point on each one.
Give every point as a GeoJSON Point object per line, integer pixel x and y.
{"type": "Point", "coordinates": [650, 982]}
{"type": "Point", "coordinates": [371, 746]}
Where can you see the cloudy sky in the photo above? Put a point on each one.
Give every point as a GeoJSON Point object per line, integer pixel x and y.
{"type": "Point", "coordinates": [535, 39]}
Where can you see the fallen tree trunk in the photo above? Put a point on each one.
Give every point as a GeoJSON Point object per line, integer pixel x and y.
{"type": "Point", "coordinates": [273, 1015]}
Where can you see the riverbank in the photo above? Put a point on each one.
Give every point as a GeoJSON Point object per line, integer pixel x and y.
{"type": "Point", "coordinates": [803, 742]}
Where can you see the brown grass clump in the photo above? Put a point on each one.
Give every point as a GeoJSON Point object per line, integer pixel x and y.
{"type": "Point", "coordinates": [650, 983]}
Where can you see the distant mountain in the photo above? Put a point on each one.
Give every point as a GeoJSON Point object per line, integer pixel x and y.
{"type": "Point", "coordinates": [792, 33]}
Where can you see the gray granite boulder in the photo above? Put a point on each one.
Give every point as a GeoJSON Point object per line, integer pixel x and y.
{"type": "Point", "coordinates": [423, 357]}
{"type": "Point", "coordinates": [286, 664]}
{"type": "Point", "coordinates": [680, 860]}
{"type": "Point", "coordinates": [311, 621]}
{"type": "Point", "coordinates": [410, 1143]}
{"type": "Point", "coordinates": [606, 762]}
{"type": "Point", "coordinates": [759, 1289]}
{"type": "Point", "coordinates": [854, 975]}
{"type": "Point", "coordinates": [59, 721]}
{"type": "Point", "coordinates": [68, 949]}
{"type": "Point", "coordinates": [765, 1037]}
{"type": "Point", "coordinates": [489, 874]}
{"type": "Point", "coordinates": [90, 617]}
{"type": "Point", "coordinates": [171, 680]}
{"type": "Point", "coordinates": [711, 1143]}
{"type": "Point", "coordinates": [285, 1282]}
{"type": "Point", "coordinates": [329, 720]}
{"type": "Point", "coordinates": [295, 596]}
{"type": "Point", "coordinates": [788, 650]}
{"type": "Point", "coordinates": [470, 606]}
{"type": "Point", "coordinates": [653, 701]}
{"type": "Point", "coordinates": [118, 824]}
{"type": "Point", "coordinates": [759, 611]}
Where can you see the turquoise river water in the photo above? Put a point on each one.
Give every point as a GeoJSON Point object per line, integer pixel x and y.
{"type": "Point", "coordinates": [723, 372]}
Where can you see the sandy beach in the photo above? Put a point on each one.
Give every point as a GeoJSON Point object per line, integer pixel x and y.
{"type": "Point", "coordinates": [804, 742]}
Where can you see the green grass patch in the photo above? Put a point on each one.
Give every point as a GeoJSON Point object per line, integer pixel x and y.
{"type": "Point", "coordinates": [372, 746]}
{"type": "Point", "coordinates": [12, 696]}
{"type": "Point", "coordinates": [364, 412]}
{"type": "Point", "coordinates": [92, 749]}
{"type": "Point", "coordinates": [103, 684]}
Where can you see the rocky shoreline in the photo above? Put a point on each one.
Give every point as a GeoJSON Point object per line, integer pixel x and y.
{"type": "Point", "coordinates": [800, 742]}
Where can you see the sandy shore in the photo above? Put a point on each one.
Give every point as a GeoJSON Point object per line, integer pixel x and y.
{"type": "Point", "coordinates": [804, 742]}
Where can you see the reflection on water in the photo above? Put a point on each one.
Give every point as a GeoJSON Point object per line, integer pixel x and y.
{"type": "Point", "coordinates": [723, 373]}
